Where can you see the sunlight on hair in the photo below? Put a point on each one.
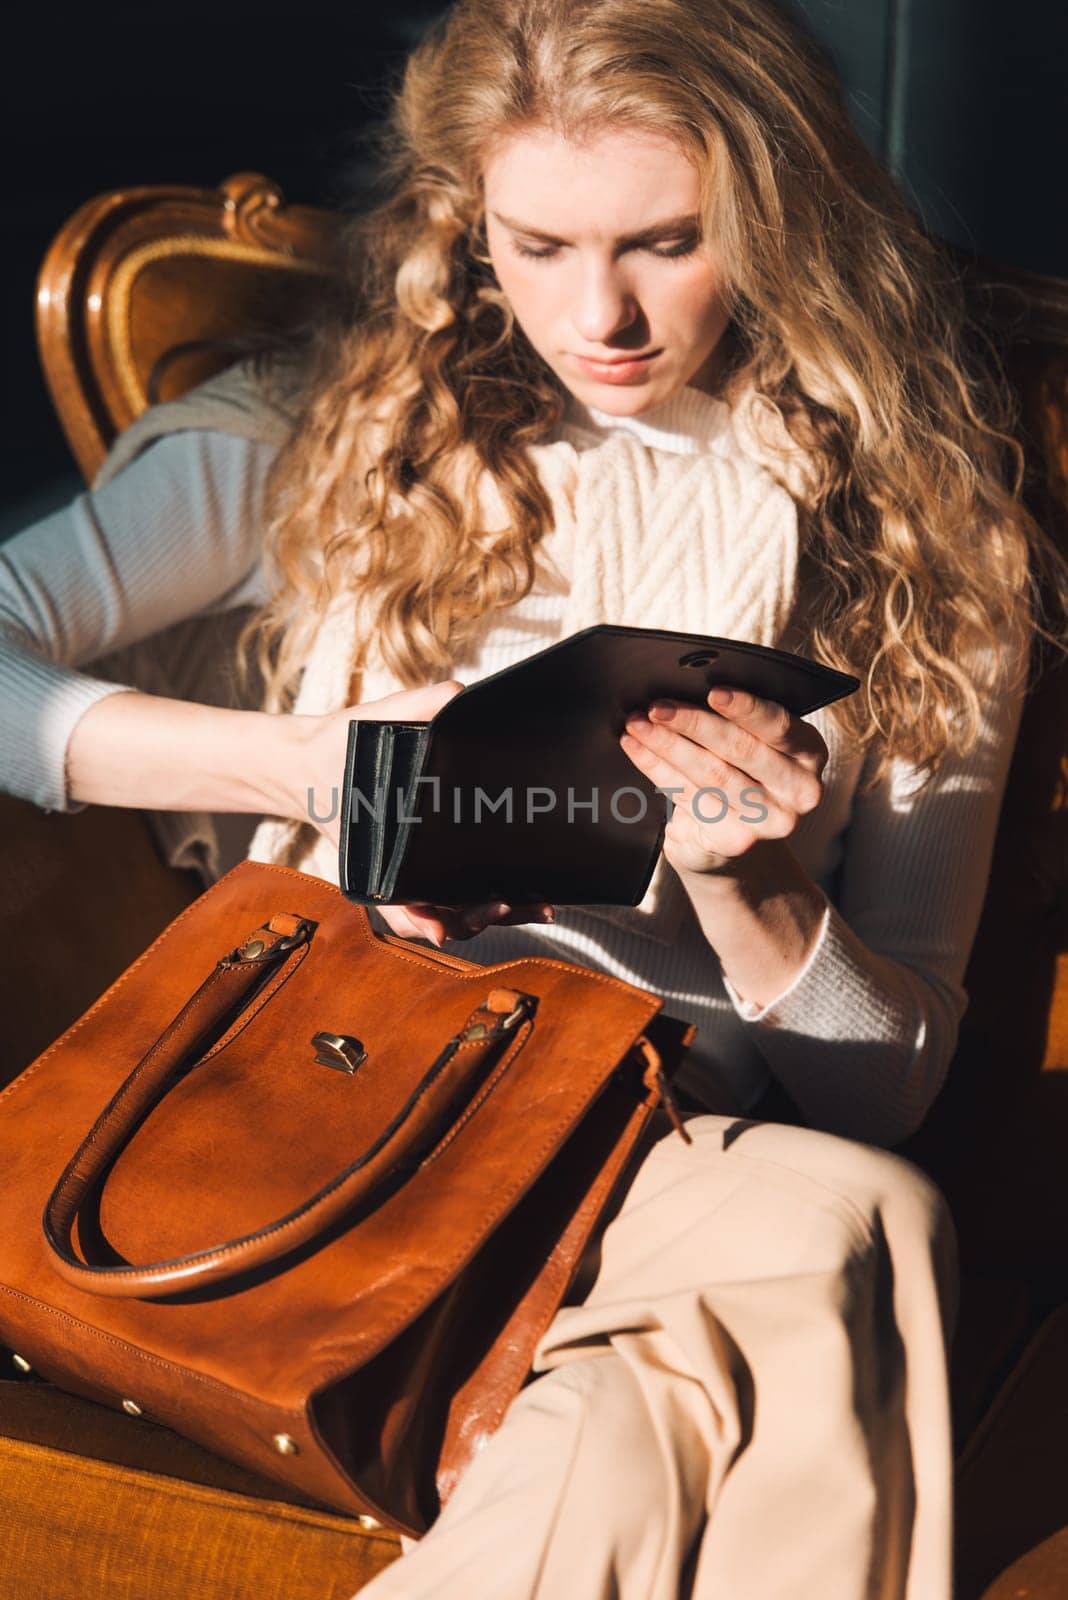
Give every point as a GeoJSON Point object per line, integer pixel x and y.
{"type": "Point", "coordinates": [847, 322]}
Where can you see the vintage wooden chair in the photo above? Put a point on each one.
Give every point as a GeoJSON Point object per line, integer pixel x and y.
{"type": "Point", "coordinates": [136, 300]}
{"type": "Point", "coordinates": [137, 297]}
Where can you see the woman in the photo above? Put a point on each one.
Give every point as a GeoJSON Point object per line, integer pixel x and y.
{"type": "Point", "coordinates": [639, 333]}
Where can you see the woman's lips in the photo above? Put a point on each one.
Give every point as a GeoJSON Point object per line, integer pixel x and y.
{"type": "Point", "coordinates": [616, 371]}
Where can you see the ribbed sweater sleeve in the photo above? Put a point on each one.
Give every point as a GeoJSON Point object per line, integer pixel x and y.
{"type": "Point", "coordinates": [864, 1034]}
{"type": "Point", "coordinates": [177, 533]}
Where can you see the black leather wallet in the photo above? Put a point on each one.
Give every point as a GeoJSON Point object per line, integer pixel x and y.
{"type": "Point", "coordinates": [518, 788]}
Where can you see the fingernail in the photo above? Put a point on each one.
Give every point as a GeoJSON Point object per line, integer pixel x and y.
{"type": "Point", "coordinates": [548, 914]}
{"type": "Point", "coordinates": [721, 697]}
{"type": "Point", "coordinates": [662, 708]}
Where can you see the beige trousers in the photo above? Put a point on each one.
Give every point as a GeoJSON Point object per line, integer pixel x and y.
{"type": "Point", "coordinates": [745, 1396]}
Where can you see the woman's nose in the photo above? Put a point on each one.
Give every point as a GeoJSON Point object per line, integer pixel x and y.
{"type": "Point", "coordinates": [604, 306]}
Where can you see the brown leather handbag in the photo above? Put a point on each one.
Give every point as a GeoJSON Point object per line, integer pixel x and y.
{"type": "Point", "coordinates": [321, 1224]}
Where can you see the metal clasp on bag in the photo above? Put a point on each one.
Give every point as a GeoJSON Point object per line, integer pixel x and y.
{"type": "Point", "coordinates": [340, 1050]}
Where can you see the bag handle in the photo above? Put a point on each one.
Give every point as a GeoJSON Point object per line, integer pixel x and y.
{"type": "Point", "coordinates": [238, 976]}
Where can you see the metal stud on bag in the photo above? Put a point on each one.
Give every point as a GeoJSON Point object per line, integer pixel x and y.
{"type": "Point", "coordinates": [294, 930]}
{"type": "Point", "coordinates": [500, 1001]}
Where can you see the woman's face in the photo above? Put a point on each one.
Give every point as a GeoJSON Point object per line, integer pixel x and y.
{"type": "Point", "coordinates": [597, 247]}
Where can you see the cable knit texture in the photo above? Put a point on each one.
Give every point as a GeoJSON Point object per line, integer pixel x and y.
{"type": "Point", "coordinates": [681, 518]}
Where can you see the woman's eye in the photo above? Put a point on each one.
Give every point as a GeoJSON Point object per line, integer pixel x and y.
{"type": "Point", "coordinates": [675, 252]}
{"type": "Point", "coordinates": [533, 255]}
{"type": "Point", "coordinates": [685, 247]}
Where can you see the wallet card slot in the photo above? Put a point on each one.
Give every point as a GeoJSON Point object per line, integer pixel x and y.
{"type": "Point", "coordinates": [354, 841]}
{"type": "Point", "coordinates": [406, 799]}
{"type": "Point", "coordinates": [366, 776]}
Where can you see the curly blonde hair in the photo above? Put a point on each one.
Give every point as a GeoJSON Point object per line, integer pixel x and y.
{"type": "Point", "coordinates": [846, 318]}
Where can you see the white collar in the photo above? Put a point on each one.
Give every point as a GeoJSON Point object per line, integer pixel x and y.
{"type": "Point", "coordinates": [687, 423]}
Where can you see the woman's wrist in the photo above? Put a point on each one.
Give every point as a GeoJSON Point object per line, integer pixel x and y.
{"type": "Point", "coordinates": [283, 766]}
{"type": "Point", "coordinates": [762, 918]}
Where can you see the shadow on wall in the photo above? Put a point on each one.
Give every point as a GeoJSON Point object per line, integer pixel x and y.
{"type": "Point", "coordinates": [965, 102]}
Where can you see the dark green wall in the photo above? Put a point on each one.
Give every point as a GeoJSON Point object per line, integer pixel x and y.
{"type": "Point", "coordinates": [967, 103]}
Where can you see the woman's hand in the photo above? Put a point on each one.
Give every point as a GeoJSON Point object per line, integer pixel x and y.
{"type": "Point", "coordinates": [317, 798]}
{"type": "Point", "coordinates": [319, 768]}
{"type": "Point", "coordinates": [742, 771]}
{"type": "Point", "coordinates": [421, 920]}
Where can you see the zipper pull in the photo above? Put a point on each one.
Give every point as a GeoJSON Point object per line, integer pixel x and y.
{"type": "Point", "coordinates": [671, 1106]}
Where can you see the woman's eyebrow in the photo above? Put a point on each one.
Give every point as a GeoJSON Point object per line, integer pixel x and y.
{"type": "Point", "coordinates": [666, 229]}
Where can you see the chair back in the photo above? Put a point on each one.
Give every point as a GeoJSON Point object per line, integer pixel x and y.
{"type": "Point", "coordinates": [138, 297]}
{"type": "Point", "coordinates": [141, 290]}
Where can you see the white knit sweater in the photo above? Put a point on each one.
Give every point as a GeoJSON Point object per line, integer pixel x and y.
{"type": "Point", "coordinates": [671, 519]}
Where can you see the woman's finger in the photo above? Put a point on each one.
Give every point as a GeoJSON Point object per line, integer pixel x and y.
{"type": "Point", "coordinates": [527, 911]}
{"type": "Point", "coordinates": [772, 723]}
{"type": "Point", "coordinates": [741, 751]}
{"type": "Point", "coordinates": [464, 921]}
{"type": "Point", "coordinates": [700, 782]}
